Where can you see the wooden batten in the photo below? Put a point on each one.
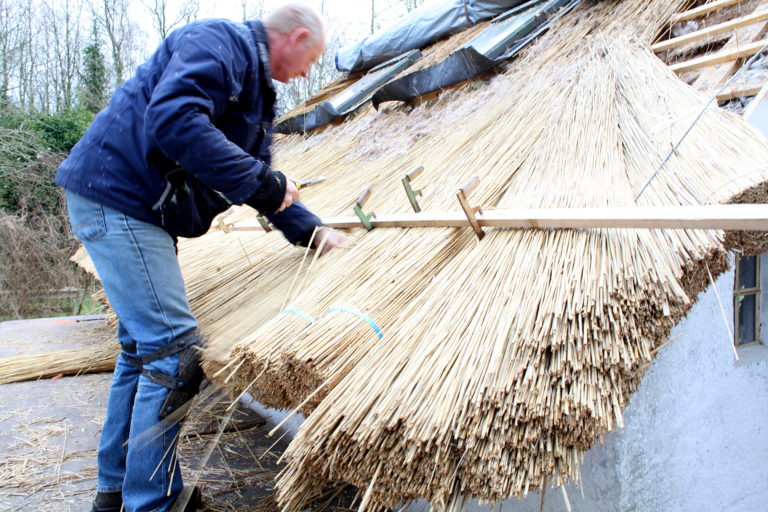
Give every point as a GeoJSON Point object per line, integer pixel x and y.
{"type": "Point", "coordinates": [725, 217]}
{"type": "Point", "coordinates": [712, 78]}
{"type": "Point", "coordinates": [740, 91]}
{"type": "Point", "coordinates": [719, 57]}
{"type": "Point", "coordinates": [702, 10]}
{"type": "Point", "coordinates": [708, 32]}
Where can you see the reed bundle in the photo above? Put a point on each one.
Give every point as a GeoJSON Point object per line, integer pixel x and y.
{"type": "Point", "coordinates": [67, 362]}
{"type": "Point", "coordinates": [227, 274]}
{"type": "Point", "coordinates": [231, 273]}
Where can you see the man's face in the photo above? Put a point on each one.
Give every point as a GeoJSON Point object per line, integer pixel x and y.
{"type": "Point", "coordinates": [293, 58]}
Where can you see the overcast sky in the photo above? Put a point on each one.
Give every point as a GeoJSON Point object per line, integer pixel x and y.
{"type": "Point", "coordinates": [350, 18]}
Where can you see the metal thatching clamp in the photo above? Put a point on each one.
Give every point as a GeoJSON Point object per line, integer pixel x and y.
{"type": "Point", "coordinates": [358, 208]}
{"type": "Point", "coordinates": [413, 194]}
{"type": "Point", "coordinates": [470, 211]}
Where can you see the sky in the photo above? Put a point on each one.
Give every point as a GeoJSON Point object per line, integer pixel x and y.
{"type": "Point", "coordinates": [351, 19]}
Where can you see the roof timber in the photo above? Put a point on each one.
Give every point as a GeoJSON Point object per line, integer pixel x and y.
{"type": "Point", "coordinates": [705, 33]}
{"type": "Point", "coordinates": [740, 91]}
{"type": "Point", "coordinates": [719, 57]}
{"type": "Point", "coordinates": [702, 10]}
{"type": "Point", "coordinates": [712, 78]}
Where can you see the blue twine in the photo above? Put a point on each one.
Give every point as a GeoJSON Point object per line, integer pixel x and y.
{"type": "Point", "coordinates": [362, 315]}
{"type": "Point", "coordinates": [299, 313]}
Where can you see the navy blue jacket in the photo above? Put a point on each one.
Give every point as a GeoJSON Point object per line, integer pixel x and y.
{"type": "Point", "coordinates": [202, 103]}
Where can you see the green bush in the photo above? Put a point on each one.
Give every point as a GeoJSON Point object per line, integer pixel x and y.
{"type": "Point", "coordinates": [61, 131]}
{"type": "Point", "coordinates": [34, 227]}
{"type": "Point", "coordinates": [31, 148]}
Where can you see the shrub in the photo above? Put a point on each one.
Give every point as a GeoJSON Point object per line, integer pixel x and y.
{"type": "Point", "coordinates": [37, 241]}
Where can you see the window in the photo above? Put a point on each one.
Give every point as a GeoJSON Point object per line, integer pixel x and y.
{"type": "Point", "coordinates": [746, 301]}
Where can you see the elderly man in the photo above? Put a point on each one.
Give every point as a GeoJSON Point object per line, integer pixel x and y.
{"type": "Point", "coordinates": [185, 138]}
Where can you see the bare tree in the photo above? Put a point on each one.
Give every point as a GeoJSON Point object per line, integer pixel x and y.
{"type": "Point", "coordinates": [60, 34]}
{"type": "Point", "coordinates": [120, 30]}
{"type": "Point", "coordinates": [10, 46]}
{"type": "Point", "coordinates": [411, 5]}
{"type": "Point", "coordinates": [165, 18]}
{"type": "Point", "coordinates": [28, 58]}
{"type": "Point", "coordinates": [252, 9]}
{"type": "Point", "coordinates": [17, 54]}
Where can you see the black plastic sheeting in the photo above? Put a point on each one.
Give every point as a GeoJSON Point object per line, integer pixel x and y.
{"type": "Point", "coordinates": [502, 40]}
{"type": "Point", "coordinates": [350, 98]}
{"type": "Point", "coordinates": [427, 24]}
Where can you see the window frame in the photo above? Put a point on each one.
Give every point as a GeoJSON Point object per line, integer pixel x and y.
{"type": "Point", "coordinates": [737, 292]}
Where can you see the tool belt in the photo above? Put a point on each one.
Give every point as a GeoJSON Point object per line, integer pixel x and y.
{"type": "Point", "coordinates": [187, 206]}
{"type": "Point", "coordinates": [187, 383]}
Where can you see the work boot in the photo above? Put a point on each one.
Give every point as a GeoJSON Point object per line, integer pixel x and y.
{"type": "Point", "coordinates": [108, 502]}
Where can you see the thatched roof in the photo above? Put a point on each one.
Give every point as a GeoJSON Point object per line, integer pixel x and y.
{"type": "Point", "coordinates": [503, 360]}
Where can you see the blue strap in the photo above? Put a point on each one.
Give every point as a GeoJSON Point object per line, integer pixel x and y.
{"type": "Point", "coordinates": [299, 313]}
{"type": "Point", "coordinates": [362, 315]}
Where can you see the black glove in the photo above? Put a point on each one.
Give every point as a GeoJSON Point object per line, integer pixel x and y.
{"type": "Point", "coordinates": [268, 198]}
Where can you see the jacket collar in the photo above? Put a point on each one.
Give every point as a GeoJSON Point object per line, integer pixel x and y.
{"type": "Point", "coordinates": [262, 44]}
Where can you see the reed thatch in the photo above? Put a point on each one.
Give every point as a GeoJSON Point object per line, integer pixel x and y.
{"type": "Point", "coordinates": [66, 362]}
{"type": "Point", "coordinates": [503, 360]}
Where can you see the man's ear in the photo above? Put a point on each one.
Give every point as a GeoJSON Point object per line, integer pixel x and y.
{"type": "Point", "coordinates": [300, 35]}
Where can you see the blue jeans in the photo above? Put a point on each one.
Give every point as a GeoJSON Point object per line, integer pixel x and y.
{"type": "Point", "coordinates": [137, 265]}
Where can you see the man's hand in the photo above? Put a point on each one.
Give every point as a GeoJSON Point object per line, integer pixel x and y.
{"type": "Point", "coordinates": [328, 238]}
{"type": "Point", "coordinates": [291, 193]}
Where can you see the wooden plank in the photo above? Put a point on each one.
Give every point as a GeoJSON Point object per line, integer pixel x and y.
{"type": "Point", "coordinates": [718, 58]}
{"type": "Point", "coordinates": [702, 10]}
{"type": "Point", "coordinates": [740, 91]}
{"type": "Point", "coordinates": [711, 79]}
{"type": "Point", "coordinates": [714, 30]}
{"type": "Point", "coordinates": [752, 217]}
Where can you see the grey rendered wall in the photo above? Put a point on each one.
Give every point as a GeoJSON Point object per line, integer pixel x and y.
{"type": "Point", "coordinates": [696, 433]}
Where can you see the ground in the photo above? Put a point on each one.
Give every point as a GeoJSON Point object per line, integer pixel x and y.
{"type": "Point", "coordinates": [49, 432]}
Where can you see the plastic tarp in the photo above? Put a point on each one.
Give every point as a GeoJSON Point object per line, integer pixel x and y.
{"type": "Point", "coordinates": [350, 98]}
{"type": "Point", "coordinates": [502, 40]}
{"type": "Point", "coordinates": [425, 25]}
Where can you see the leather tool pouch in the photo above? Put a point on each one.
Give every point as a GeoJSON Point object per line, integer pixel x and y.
{"type": "Point", "coordinates": [188, 206]}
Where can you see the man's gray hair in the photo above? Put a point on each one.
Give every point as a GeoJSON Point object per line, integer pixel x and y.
{"type": "Point", "coordinates": [287, 18]}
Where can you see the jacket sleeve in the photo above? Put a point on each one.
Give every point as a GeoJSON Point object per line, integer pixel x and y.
{"type": "Point", "coordinates": [296, 222]}
{"type": "Point", "coordinates": [206, 69]}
